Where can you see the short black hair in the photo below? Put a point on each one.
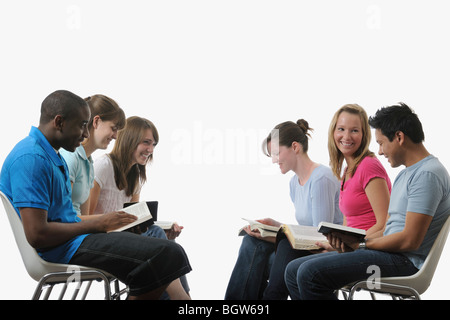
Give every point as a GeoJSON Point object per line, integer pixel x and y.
{"type": "Point", "coordinates": [60, 102]}
{"type": "Point", "coordinates": [398, 118]}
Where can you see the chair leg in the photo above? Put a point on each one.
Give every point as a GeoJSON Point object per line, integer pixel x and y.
{"type": "Point", "coordinates": [408, 291]}
{"type": "Point", "coordinates": [48, 292]}
{"type": "Point", "coordinates": [52, 279]}
{"type": "Point", "coordinates": [38, 291]}
{"type": "Point", "coordinates": [63, 291]}
{"type": "Point", "coordinates": [355, 288]}
{"type": "Point", "coordinates": [117, 291]}
{"type": "Point", "coordinates": [88, 287]}
{"type": "Point", "coordinates": [344, 294]}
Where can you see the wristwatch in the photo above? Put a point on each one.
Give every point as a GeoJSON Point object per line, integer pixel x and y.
{"type": "Point", "coordinates": [362, 245]}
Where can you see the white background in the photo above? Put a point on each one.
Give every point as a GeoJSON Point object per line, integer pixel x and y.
{"type": "Point", "coordinates": [215, 77]}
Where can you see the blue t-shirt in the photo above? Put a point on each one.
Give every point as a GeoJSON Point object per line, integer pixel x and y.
{"type": "Point", "coordinates": [81, 173]}
{"type": "Point", "coordinates": [34, 175]}
{"type": "Point", "coordinates": [318, 199]}
{"type": "Point", "coordinates": [421, 188]}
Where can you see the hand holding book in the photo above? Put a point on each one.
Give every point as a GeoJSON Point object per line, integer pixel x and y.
{"type": "Point", "coordinates": [342, 242]}
{"type": "Point", "coordinates": [327, 236]}
{"type": "Point", "coordinates": [264, 229]}
{"type": "Point", "coordinates": [342, 238]}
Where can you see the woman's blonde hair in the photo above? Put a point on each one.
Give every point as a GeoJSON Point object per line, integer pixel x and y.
{"type": "Point", "coordinates": [336, 156]}
{"type": "Point", "coordinates": [128, 139]}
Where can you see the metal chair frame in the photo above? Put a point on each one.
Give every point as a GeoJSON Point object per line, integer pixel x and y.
{"type": "Point", "coordinates": [408, 287]}
{"type": "Point", "coordinates": [50, 274]}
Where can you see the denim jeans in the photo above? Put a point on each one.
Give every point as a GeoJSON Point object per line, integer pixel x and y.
{"type": "Point", "coordinates": [259, 270]}
{"type": "Point", "coordinates": [276, 287]}
{"type": "Point", "coordinates": [155, 231]}
{"type": "Point", "coordinates": [249, 277]}
{"type": "Point", "coordinates": [316, 277]}
{"type": "Point", "coordinates": [143, 263]}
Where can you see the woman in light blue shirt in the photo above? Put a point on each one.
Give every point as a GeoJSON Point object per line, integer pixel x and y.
{"type": "Point", "coordinates": [314, 190]}
{"type": "Point", "coordinates": [107, 118]}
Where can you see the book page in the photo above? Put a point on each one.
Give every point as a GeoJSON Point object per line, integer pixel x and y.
{"type": "Point", "coordinates": [264, 229]}
{"type": "Point", "coordinates": [140, 210]}
{"type": "Point", "coordinates": [306, 233]}
{"type": "Point", "coordinates": [256, 224]}
{"type": "Point", "coordinates": [165, 225]}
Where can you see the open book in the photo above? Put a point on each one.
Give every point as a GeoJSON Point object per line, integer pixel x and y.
{"type": "Point", "coordinates": [264, 229]}
{"type": "Point", "coordinates": [303, 237]}
{"type": "Point", "coordinates": [165, 225]}
{"type": "Point", "coordinates": [141, 211]}
{"type": "Point", "coordinates": [327, 227]}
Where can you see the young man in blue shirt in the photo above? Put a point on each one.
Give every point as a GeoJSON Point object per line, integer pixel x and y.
{"type": "Point", "coordinates": [36, 180]}
{"type": "Point", "coordinates": [419, 207]}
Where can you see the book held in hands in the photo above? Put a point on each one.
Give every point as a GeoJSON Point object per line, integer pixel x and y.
{"type": "Point", "coordinates": [328, 227]}
{"type": "Point", "coordinates": [153, 208]}
{"type": "Point", "coordinates": [141, 211]}
{"type": "Point", "coordinates": [300, 237]}
{"type": "Point", "coordinates": [303, 237]}
{"type": "Point", "coordinates": [264, 229]}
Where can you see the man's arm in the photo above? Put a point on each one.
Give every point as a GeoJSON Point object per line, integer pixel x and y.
{"type": "Point", "coordinates": [43, 234]}
{"type": "Point", "coordinates": [409, 239]}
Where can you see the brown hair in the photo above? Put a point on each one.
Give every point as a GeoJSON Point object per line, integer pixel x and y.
{"type": "Point", "coordinates": [128, 139]}
{"type": "Point", "coordinates": [107, 109]}
{"type": "Point", "coordinates": [289, 132]}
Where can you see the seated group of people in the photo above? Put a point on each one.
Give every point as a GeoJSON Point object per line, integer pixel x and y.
{"type": "Point", "coordinates": [68, 203]}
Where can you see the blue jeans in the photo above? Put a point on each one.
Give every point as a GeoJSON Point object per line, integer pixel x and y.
{"type": "Point", "coordinates": [259, 270]}
{"type": "Point", "coordinates": [276, 288]}
{"type": "Point", "coordinates": [249, 277]}
{"type": "Point", "coordinates": [155, 231]}
{"type": "Point", "coordinates": [316, 277]}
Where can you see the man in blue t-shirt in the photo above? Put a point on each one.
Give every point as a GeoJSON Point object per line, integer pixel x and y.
{"type": "Point", "coordinates": [35, 178]}
{"type": "Point", "coordinates": [419, 206]}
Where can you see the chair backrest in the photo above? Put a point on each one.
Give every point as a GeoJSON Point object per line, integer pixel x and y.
{"type": "Point", "coordinates": [34, 264]}
{"type": "Point", "coordinates": [421, 280]}
{"type": "Point", "coordinates": [431, 262]}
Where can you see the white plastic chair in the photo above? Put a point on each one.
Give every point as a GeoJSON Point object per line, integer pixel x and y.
{"type": "Point", "coordinates": [50, 274]}
{"type": "Point", "coordinates": [409, 287]}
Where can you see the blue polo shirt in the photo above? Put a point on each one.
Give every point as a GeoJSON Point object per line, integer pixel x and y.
{"type": "Point", "coordinates": [34, 175]}
{"type": "Point", "coordinates": [81, 172]}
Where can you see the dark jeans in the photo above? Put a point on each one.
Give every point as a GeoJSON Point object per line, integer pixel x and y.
{"type": "Point", "coordinates": [155, 231]}
{"type": "Point", "coordinates": [316, 277]}
{"type": "Point", "coordinates": [276, 288]}
{"type": "Point", "coordinates": [259, 270]}
{"type": "Point", "coordinates": [143, 263]}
